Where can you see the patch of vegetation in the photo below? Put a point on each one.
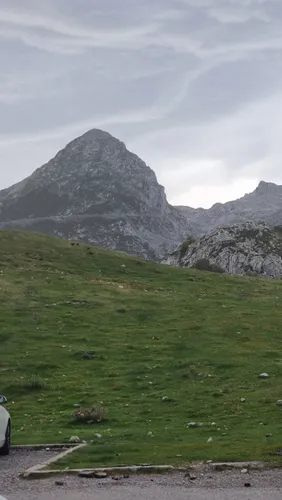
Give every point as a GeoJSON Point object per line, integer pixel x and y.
{"type": "Point", "coordinates": [205, 265]}
{"type": "Point", "coordinates": [34, 383]}
{"type": "Point", "coordinates": [189, 347]}
{"type": "Point", "coordinates": [184, 246]}
{"type": "Point", "coordinates": [93, 415]}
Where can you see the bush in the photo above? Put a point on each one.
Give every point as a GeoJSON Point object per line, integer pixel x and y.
{"type": "Point", "coordinates": [34, 384]}
{"type": "Point", "coordinates": [87, 355]}
{"type": "Point", "coordinates": [96, 414]}
{"type": "Point", "coordinates": [121, 310]}
{"type": "Point", "coordinates": [205, 265]}
{"type": "Point", "coordinates": [185, 245]}
{"type": "Point", "coordinates": [217, 269]}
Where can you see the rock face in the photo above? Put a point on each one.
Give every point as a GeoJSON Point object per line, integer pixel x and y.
{"type": "Point", "coordinates": [249, 248]}
{"type": "Point", "coordinates": [96, 191]}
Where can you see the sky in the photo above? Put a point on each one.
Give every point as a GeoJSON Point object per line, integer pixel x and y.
{"type": "Point", "coordinates": [194, 87]}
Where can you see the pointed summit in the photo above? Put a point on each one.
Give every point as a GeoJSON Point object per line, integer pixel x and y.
{"type": "Point", "coordinates": [97, 191]}
{"type": "Point", "coordinates": [264, 187]}
{"type": "Point", "coordinates": [97, 135]}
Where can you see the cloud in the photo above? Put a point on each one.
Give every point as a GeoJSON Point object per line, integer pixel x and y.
{"type": "Point", "coordinates": [192, 86]}
{"type": "Point", "coordinates": [240, 149]}
{"type": "Point", "coordinates": [235, 14]}
{"type": "Point", "coordinates": [67, 27]}
{"type": "Point", "coordinates": [66, 35]}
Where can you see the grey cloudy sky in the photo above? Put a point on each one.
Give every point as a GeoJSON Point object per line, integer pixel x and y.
{"type": "Point", "coordinates": [194, 87]}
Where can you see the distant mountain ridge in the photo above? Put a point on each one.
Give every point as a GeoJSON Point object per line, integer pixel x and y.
{"type": "Point", "coordinates": [264, 203]}
{"type": "Point", "coordinates": [95, 190]}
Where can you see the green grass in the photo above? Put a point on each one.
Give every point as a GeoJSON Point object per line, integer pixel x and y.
{"type": "Point", "coordinates": [80, 325]}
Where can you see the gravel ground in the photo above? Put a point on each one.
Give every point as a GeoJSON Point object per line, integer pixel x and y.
{"type": "Point", "coordinates": [17, 462]}
{"type": "Point", "coordinates": [207, 484]}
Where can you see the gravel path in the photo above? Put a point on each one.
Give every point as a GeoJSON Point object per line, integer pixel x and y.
{"type": "Point", "coordinates": [208, 485]}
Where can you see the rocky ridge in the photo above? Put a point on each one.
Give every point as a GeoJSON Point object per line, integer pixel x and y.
{"type": "Point", "coordinates": [249, 248]}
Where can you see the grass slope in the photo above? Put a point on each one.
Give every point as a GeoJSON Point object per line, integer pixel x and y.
{"type": "Point", "coordinates": [199, 339]}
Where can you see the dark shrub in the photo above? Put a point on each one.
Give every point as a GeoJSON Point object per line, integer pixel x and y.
{"type": "Point", "coordinates": [205, 265]}
{"type": "Point", "coordinates": [96, 414]}
{"type": "Point", "coordinates": [185, 245]}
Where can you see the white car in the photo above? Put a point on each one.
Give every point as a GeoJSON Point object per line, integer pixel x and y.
{"type": "Point", "coordinates": [5, 428]}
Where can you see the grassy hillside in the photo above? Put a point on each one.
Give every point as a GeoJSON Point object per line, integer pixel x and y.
{"type": "Point", "coordinates": [82, 326]}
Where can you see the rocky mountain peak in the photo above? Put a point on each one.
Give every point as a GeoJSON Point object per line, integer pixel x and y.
{"type": "Point", "coordinates": [93, 143]}
{"type": "Point", "coordinates": [96, 134]}
{"type": "Point", "coordinates": [264, 188]}
{"type": "Point", "coordinates": [96, 190]}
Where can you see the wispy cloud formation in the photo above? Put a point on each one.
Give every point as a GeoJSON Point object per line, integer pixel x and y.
{"type": "Point", "coordinates": [193, 86]}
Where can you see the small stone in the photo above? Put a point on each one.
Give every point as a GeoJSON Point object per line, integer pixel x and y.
{"type": "Point", "coordinates": [279, 402]}
{"type": "Point", "coordinates": [59, 483]}
{"type": "Point", "coordinates": [192, 424]}
{"type": "Point", "coordinates": [268, 435]}
{"type": "Point", "coordinates": [264, 375]}
{"type": "Point", "coordinates": [191, 476]}
{"type": "Point", "coordinates": [86, 473]}
{"type": "Point", "coordinates": [100, 475]}
{"type": "Point", "coordinates": [98, 436]}
{"type": "Point", "coordinates": [165, 398]}
{"type": "Point", "coordinates": [220, 467]}
{"type": "Point", "coordinates": [74, 439]}
{"type": "Point", "coordinates": [243, 400]}
{"type": "Point", "coordinates": [116, 478]}
{"type": "Point", "coordinates": [209, 440]}
{"type": "Point", "coordinates": [213, 424]}
{"type": "Point", "coordinates": [126, 476]}
{"type": "Point", "coordinates": [76, 405]}
{"type": "Point", "coordinates": [247, 485]}
{"type": "Point", "coordinates": [244, 471]}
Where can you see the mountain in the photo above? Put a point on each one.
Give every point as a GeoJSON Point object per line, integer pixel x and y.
{"type": "Point", "coordinates": [96, 191]}
{"type": "Point", "coordinates": [265, 203]}
{"type": "Point", "coordinates": [250, 248]}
